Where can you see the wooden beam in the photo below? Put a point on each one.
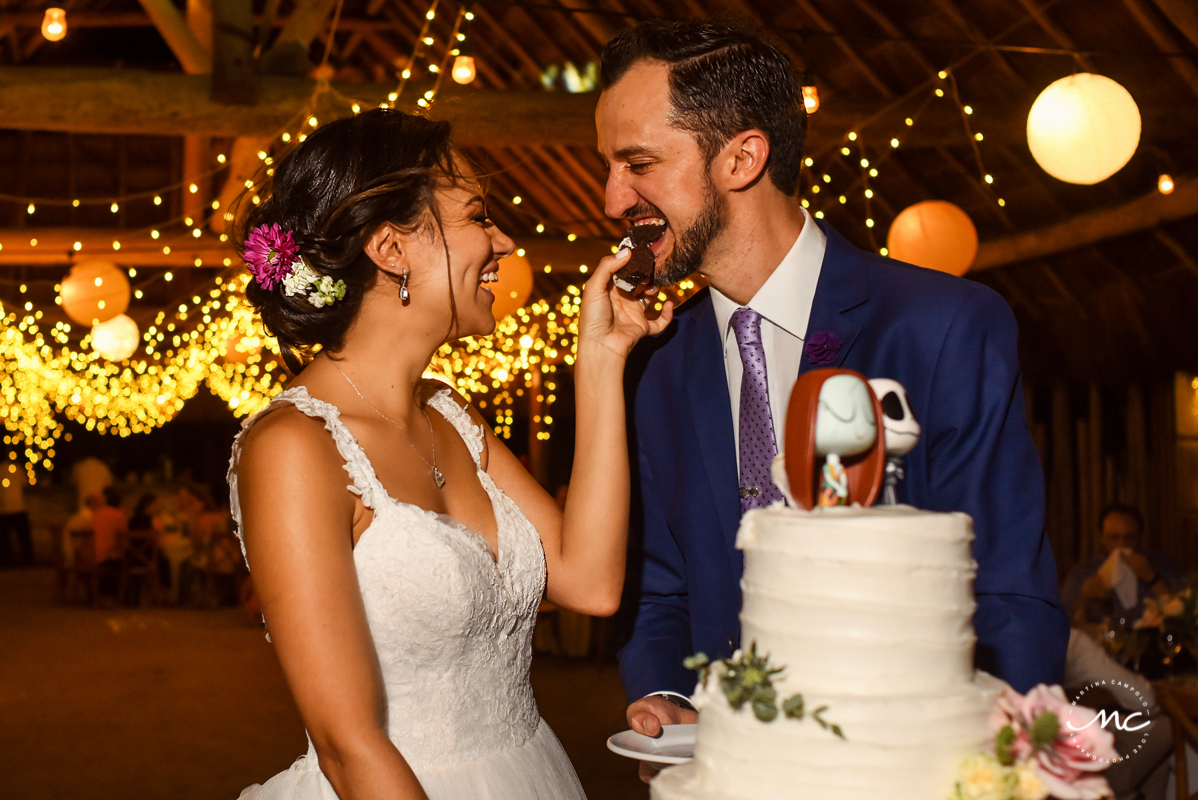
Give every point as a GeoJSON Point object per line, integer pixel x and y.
{"type": "Point", "coordinates": [1141, 214]}
{"type": "Point", "coordinates": [56, 248]}
{"type": "Point", "coordinates": [304, 23]}
{"type": "Point", "coordinates": [182, 42]}
{"type": "Point", "coordinates": [84, 100]}
{"type": "Point", "coordinates": [1175, 247]}
{"type": "Point", "coordinates": [1184, 15]}
{"type": "Point", "coordinates": [244, 165]}
{"type": "Point", "coordinates": [139, 19]}
{"type": "Point", "coordinates": [233, 78]}
{"type": "Point", "coordinates": [1163, 39]}
{"type": "Point", "coordinates": [132, 101]}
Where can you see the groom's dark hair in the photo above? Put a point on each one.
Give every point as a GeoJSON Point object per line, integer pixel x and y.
{"type": "Point", "coordinates": [724, 79]}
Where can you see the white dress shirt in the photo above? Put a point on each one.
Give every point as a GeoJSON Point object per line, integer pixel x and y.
{"type": "Point", "coordinates": [784, 303]}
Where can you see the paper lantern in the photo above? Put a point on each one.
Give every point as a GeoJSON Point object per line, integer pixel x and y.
{"type": "Point", "coordinates": [1083, 129]}
{"type": "Point", "coordinates": [238, 349]}
{"type": "Point", "coordinates": [934, 234]}
{"type": "Point", "coordinates": [116, 339]}
{"type": "Point", "coordinates": [513, 287]}
{"type": "Point", "coordinates": [54, 24]}
{"type": "Point", "coordinates": [463, 69]}
{"type": "Point", "coordinates": [94, 291]}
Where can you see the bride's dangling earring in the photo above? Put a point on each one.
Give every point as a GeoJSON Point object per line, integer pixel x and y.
{"type": "Point", "coordinates": [404, 294]}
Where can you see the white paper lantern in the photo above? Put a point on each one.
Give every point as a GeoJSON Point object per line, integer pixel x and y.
{"type": "Point", "coordinates": [116, 339]}
{"type": "Point", "coordinates": [935, 234]}
{"type": "Point", "coordinates": [1083, 129]}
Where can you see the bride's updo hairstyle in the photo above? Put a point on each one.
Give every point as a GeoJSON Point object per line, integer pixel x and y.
{"type": "Point", "coordinates": [332, 193]}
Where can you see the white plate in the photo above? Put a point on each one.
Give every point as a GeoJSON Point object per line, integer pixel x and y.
{"type": "Point", "coordinates": [676, 745]}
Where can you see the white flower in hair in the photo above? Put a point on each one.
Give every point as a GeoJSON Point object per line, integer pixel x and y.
{"type": "Point", "coordinates": [300, 278]}
{"type": "Point", "coordinates": [325, 292]}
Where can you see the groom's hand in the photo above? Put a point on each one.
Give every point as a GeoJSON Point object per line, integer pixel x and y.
{"type": "Point", "coordinates": [648, 714]}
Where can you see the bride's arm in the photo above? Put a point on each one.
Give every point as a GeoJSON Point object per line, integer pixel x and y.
{"type": "Point", "coordinates": [298, 522]}
{"type": "Point", "coordinates": [585, 547]}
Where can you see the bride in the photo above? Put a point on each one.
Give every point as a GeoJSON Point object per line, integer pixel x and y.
{"type": "Point", "coordinates": [399, 549]}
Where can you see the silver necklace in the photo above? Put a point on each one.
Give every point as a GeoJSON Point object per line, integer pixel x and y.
{"type": "Point", "coordinates": [438, 477]}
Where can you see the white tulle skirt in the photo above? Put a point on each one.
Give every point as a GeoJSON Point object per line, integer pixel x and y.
{"type": "Point", "coordinates": [537, 770]}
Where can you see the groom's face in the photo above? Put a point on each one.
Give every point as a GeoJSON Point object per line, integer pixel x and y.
{"type": "Point", "coordinates": [657, 171]}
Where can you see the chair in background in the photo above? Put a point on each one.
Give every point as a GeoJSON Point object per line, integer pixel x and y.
{"type": "Point", "coordinates": [140, 563]}
{"type": "Point", "coordinates": [1181, 705]}
{"type": "Point", "coordinates": [221, 565]}
{"type": "Point", "coordinates": [81, 572]}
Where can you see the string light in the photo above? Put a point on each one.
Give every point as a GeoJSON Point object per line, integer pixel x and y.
{"type": "Point", "coordinates": [810, 99]}
{"type": "Point", "coordinates": [1164, 184]}
{"type": "Point", "coordinates": [54, 24]}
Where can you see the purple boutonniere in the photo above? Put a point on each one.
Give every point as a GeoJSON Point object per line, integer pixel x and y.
{"type": "Point", "coordinates": [821, 348]}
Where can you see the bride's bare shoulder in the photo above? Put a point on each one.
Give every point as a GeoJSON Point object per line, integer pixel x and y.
{"type": "Point", "coordinates": [286, 439]}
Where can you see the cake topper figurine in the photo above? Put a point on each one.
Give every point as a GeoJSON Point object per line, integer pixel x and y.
{"type": "Point", "coordinates": [902, 431]}
{"type": "Point", "coordinates": [845, 425]}
{"type": "Point", "coordinates": [833, 413]}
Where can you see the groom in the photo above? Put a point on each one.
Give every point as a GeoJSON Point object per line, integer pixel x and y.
{"type": "Point", "coordinates": [702, 126]}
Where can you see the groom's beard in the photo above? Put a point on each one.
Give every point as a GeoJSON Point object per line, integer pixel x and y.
{"type": "Point", "coordinates": [691, 243]}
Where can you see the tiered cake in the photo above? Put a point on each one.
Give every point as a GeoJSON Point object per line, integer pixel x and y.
{"type": "Point", "coordinates": [869, 610]}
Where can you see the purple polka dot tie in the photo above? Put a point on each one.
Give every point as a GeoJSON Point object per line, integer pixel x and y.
{"type": "Point", "coordinates": [757, 447]}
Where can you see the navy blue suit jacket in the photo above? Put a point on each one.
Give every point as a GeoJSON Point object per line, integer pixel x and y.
{"type": "Point", "coordinates": [952, 344]}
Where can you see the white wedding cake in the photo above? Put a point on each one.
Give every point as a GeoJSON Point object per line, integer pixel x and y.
{"type": "Point", "coordinates": [870, 612]}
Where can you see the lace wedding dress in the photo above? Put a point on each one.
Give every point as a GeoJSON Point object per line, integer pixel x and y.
{"type": "Point", "coordinates": [453, 632]}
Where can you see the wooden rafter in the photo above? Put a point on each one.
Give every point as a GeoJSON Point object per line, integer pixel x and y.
{"type": "Point", "coordinates": [56, 247]}
{"type": "Point", "coordinates": [1184, 15]}
{"type": "Point", "coordinates": [179, 37]}
{"type": "Point", "coordinates": [1143, 213]}
{"type": "Point", "coordinates": [1162, 38]}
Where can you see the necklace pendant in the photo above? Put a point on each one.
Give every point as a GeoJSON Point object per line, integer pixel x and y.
{"type": "Point", "coordinates": [438, 478]}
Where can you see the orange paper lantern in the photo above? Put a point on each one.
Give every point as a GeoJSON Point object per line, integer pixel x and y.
{"type": "Point", "coordinates": [94, 292]}
{"type": "Point", "coordinates": [934, 234]}
{"type": "Point", "coordinates": [238, 349]}
{"type": "Point", "coordinates": [514, 286]}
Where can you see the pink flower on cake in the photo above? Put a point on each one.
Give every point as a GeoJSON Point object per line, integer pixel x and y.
{"type": "Point", "coordinates": [269, 253]}
{"type": "Point", "coordinates": [1065, 742]}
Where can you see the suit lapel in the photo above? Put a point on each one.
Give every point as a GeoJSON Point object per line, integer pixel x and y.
{"type": "Point", "coordinates": [843, 286]}
{"type": "Point", "coordinates": [707, 393]}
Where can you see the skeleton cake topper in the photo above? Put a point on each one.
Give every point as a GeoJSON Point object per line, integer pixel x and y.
{"type": "Point", "coordinates": [902, 431]}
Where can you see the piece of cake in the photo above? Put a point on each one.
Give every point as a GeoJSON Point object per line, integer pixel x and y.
{"type": "Point", "coordinates": [870, 612]}
{"type": "Point", "coordinates": [639, 268]}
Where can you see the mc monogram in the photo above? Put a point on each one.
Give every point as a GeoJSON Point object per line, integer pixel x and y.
{"type": "Point", "coordinates": [1103, 718]}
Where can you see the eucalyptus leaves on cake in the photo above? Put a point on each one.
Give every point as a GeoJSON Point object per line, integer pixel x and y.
{"type": "Point", "coordinates": [747, 679]}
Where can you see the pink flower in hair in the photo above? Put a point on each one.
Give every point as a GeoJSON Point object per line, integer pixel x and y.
{"type": "Point", "coordinates": [269, 254]}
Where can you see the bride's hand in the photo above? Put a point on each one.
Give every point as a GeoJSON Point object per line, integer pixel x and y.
{"type": "Point", "coordinates": [610, 317]}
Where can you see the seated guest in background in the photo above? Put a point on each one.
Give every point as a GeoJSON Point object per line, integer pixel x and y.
{"type": "Point", "coordinates": [109, 527]}
{"type": "Point", "coordinates": [1114, 585]}
{"type": "Point", "coordinates": [90, 475]}
{"type": "Point", "coordinates": [142, 520]}
{"type": "Point", "coordinates": [13, 518]}
{"type": "Point", "coordinates": [143, 525]}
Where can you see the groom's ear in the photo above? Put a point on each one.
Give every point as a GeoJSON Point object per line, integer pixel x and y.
{"type": "Point", "coordinates": [741, 161]}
